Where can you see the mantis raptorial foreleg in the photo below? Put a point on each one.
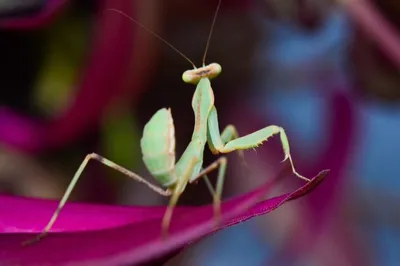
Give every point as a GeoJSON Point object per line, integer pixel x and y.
{"type": "Point", "coordinates": [253, 140]}
{"type": "Point", "coordinates": [230, 133]}
{"type": "Point", "coordinates": [75, 179]}
{"type": "Point", "coordinates": [216, 139]}
{"type": "Point", "coordinates": [220, 163]}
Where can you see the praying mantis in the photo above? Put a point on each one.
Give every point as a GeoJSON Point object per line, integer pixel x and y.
{"type": "Point", "coordinates": [158, 145]}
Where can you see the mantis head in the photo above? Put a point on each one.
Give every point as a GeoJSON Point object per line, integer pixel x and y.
{"type": "Point", "coordinates": [193, 76]}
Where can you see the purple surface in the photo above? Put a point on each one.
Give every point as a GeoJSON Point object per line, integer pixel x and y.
{"type": "Point", "coordinates": [114, 235]}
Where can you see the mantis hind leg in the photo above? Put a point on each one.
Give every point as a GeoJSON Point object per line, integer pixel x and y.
{"type": "Point", "coordinates": [75, 179]}
{"type": "Point", "coordinates": [249, 141]}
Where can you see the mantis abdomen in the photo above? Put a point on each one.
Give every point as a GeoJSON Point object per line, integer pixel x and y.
{"type": "Point", "coordinates": [158, 147]}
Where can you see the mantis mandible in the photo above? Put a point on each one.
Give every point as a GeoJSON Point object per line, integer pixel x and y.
{"type": "Point", "coordinates": [158, 144]}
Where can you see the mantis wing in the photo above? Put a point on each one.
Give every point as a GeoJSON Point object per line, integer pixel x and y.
{"type": "Point", "coordinates": [158, 147]}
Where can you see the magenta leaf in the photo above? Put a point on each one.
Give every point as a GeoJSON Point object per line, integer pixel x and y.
{"type": "Point", "coordinates": [117, 235]}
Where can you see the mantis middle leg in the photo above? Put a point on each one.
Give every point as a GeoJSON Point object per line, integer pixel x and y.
{"type": "Point", "coordinates": [219, 163]}
{"type": "Point", "coordinates": [253, 140]}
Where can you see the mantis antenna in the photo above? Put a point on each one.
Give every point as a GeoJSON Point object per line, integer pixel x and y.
{"type": "Point", "coordinates": [211, 32]}
{"type": "Point", "coordinates": [154, 34]}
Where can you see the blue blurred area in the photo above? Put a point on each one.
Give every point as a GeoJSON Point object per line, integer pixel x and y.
{"type": "Point", "coordinates": [234, 246]}
{"type": "Point", "coordinates": [376, 162]}
{"type": "Point", "coordinates": [299, 104]}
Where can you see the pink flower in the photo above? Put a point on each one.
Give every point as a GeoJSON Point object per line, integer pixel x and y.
{"type": "Point", "coordinates": [118, 235]}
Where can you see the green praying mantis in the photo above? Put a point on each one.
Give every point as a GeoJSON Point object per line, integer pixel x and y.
{"type": "Point", "coordinates": [158, 145]}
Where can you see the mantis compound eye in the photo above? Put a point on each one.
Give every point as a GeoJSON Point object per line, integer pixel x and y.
{"type": "Point", "coordinates": [193, 76]}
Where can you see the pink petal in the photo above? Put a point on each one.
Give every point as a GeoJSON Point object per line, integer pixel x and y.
{"type": "Point", "coordinates": [115, 235]}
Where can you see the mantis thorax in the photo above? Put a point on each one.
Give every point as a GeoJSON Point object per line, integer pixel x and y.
{"type": "Point", "coordinates": [210, 71]}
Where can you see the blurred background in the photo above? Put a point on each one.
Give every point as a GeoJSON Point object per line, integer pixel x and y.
{"type": "Point", "coordinates": [76, 78]}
